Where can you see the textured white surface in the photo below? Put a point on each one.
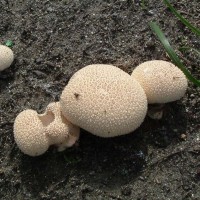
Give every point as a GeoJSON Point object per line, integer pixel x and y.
{"type": "Point", "coordinates": [104, 100]}
{"type": "Point", "coordinates": [6, 57]}
{"type": "Point", "coordinates": [34, 133]}
{"type": "Point", "coordinates": [58, 129]}
{"type": "Point", "coordinates": [162, 81]}
{"type": "Point", "coordinates": [29, 133]}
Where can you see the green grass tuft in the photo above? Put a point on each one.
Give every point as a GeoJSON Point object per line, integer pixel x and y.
{"type": "Point", "coordinates": [182, 19]}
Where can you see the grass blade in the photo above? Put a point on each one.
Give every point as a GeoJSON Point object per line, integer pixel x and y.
{"type": "Point", "coordinates": [183, 20]}
{"type": "Point", "coordinates": [172, 53]}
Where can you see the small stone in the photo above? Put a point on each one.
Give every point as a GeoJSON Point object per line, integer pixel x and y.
{"type": "Point", "coordinates": [50, 9]}
{"type": "Point", "coordinates": [38, 60]}
{"type": "Point", "coordinates": [141, 178]}
{"type": "Point", "coordinates": [126, 191]}
{"type": "Point", "coordinates": [183, 136]}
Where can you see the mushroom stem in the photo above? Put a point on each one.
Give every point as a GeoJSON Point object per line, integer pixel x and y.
{"type": "Point", "coordinates": [155, 111]}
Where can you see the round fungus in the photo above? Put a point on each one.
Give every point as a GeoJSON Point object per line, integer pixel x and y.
{"type": "Point", "coordinates": [162, 81]}
{"type": "Point", "coordinates": [34, 132]}
{"type": "Point", "coordinates": [29, 133]}
{"type": "Point", "coordinates": [104, 100]}
{"type": "Point", "coordinates": [6, 57]}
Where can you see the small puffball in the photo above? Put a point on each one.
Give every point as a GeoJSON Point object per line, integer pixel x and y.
{"type": "Point", "coordinates": [6, 57]}
{"type": "Point", "coordinates": [162, 81]}
{"type": "Point", "coordinates": [29, 133]}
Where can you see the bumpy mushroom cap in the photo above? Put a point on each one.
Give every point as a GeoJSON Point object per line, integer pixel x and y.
{"type": "Point", "coordinates": [58, 129]}
{"type": "Point", "coordinates": [29, 133]}
{"type": "Point", "coordinates": [34, 132]}
{"type": "Point", "coordinates": [162, 81]}
{"type": "Point", "coordinates": [6, 57]}
{"type": "Point", "coordinates": [104, 100]}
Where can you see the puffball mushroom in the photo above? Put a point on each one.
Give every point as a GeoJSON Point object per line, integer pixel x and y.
{"type": "Point", "coordinates": [162, 81]}
{"type": "Point", "coordinates": [29, 133]}
{"type": "Point", "coordinates": [6, 57]}
{"type": "Point", "coordinates": [104, 100]}
{"type": "Point", "coordinates": [34, 132]}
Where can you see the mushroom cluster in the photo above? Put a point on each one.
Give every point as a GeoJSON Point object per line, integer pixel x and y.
{"type": "Point", "coordinates": [34, 132]}
{"type": "Point", "coordinates": [102, 99]}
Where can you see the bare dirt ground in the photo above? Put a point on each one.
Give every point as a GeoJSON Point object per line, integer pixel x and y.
{"type": "Point", "coordinates": [53, 39]}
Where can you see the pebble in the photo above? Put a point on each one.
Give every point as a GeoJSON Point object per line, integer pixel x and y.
{"type": "Point", "coordinates": [126, 191]}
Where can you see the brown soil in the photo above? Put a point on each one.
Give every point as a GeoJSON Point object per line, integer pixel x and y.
{"type": "Point", "coordinates": [53, 39]}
